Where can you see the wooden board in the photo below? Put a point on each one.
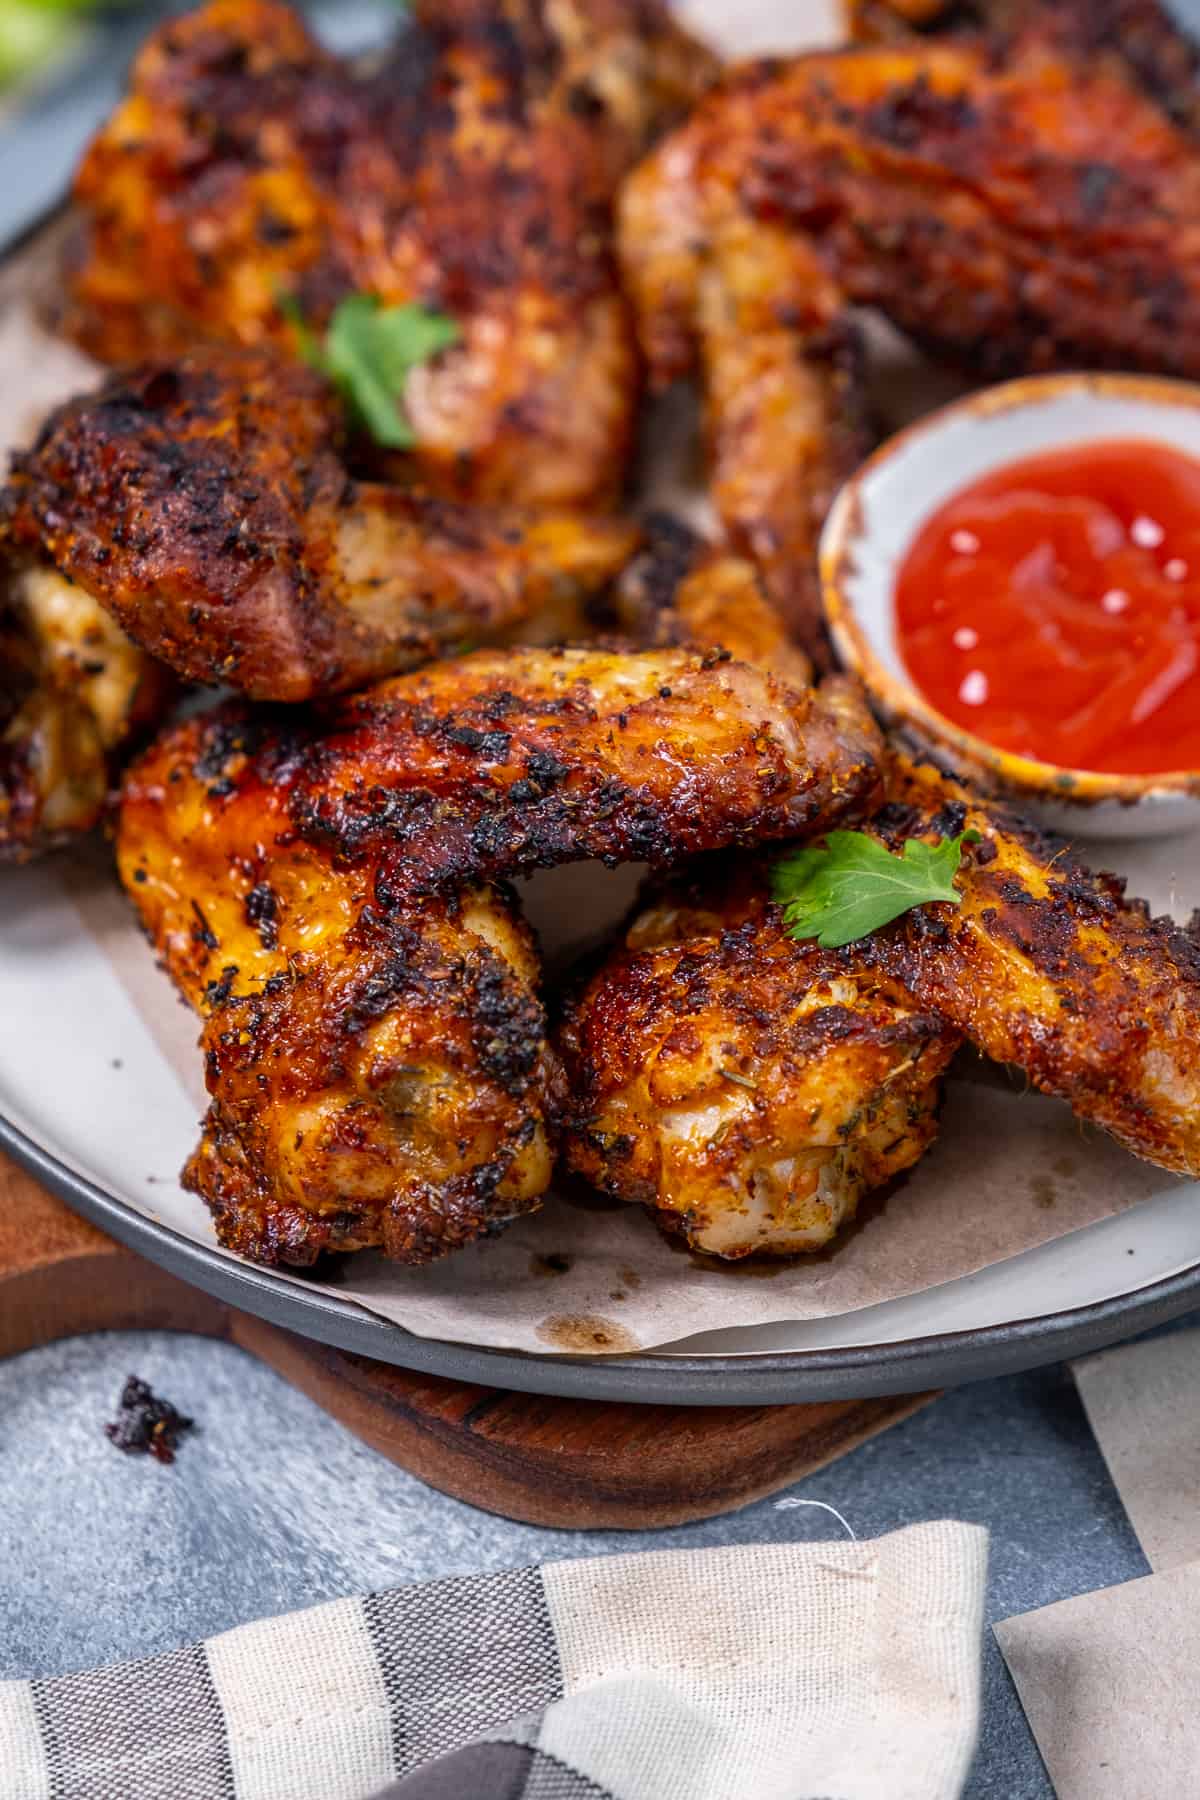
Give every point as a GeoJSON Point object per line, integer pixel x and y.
{"type": "Point", "coordinates": [546, 1461]}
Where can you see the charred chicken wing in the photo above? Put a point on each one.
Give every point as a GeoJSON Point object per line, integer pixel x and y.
{"type": "Point", "coordinates": [1142, 35]}
{"type": "Point", "coordinates": [204, 503]}
{"type": "Point", "coordinates": [471, 171]}
{"type": "Point", "coordinates": [1010, 201]}
{"type": "Point", "coordinates": [324, 891]}
{"type": "Point", "coordinates": [746, 1089]}
{"type": "Point", "coordinates": [1050, 967]}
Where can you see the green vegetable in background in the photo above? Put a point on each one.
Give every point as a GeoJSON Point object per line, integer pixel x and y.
{"type": "Point", "coordinates": [34, 31]}
{"type": "Point", "coordinates": [368, 350]}
{"type": "Point", "coordinates": [29, 36]}
{"type": "Point", "coordinates": [850, 886]}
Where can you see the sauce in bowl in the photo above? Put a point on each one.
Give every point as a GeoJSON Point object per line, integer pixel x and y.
{"type": "Point", "coordinates": [1053, 608]}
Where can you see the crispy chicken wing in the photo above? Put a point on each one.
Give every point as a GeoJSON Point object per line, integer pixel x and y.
{"type": "Point", "coordinates": [745, 1088]}
{"type": "Point", "coordinates": [1050, 967]}
{"type": "Point", "coordinates": [1142, 35]}
{"type": "Point", "coordinates": [1011, 202]}
{"type": "Point", "coordinates": [204, 503]}
{"type": "Point", "coordinates": [73, 692]}
{"type": "Point", "coordinates": [473, 171]}
{"type": "Point", "coordinates": [323, 891]}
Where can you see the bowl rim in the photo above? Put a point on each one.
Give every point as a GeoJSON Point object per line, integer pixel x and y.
{"type": "Point", "coordinates": [900, 698]}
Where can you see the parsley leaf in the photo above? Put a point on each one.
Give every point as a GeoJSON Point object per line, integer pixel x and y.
{"type": "Point", "coordinates": [368, 352]}
{"type": "Point", "coordinates": [850, 886]}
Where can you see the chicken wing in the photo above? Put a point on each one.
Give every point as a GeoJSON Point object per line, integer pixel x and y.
{"type": "Point", "coordinates": [1011, 202]}
{"type": "Point", "coordinates": [1142, 35]}
{"type": "Point", "coordinates": [73, 692]}
{"type": "Point", "coordinates": [205, 505]}
{"type": "Point", "coordinates": [323, 889]}
{"type": "Point", "coordinates": [472, 171]}
{"type": "Point", "coordinates": [745, 1088]}
{"type": "Point", "coordinates": [1050, 967]}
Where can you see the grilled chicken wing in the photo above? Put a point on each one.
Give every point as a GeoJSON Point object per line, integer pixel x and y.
{"type": "Point", "coordinates": [745, 1088]}
{"type": "Point", "coordinates": [472, 171]}
{"type": "Point", "coordinates": [1050, 967]}
{"type": "Point", "coordinates": [323, 891]}
{"type": "Point", "coordinates": [1011, 202]}
{"type": "Point", "coordinates": [204, 503]}
{"type": "Point", "coordinates": [73, 691]}
{"type": "Point", "coordinates": [1142, 35]}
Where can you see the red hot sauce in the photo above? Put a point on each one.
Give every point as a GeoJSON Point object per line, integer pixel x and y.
{"type": "Point", "coordinates": [1053, 608]}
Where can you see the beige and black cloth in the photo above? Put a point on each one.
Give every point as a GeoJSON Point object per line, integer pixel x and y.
{"type": "Point", "coordinates": [844, 1671]}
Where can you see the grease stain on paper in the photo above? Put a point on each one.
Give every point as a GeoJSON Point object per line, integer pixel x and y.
{"type": "Point", "coordinates": [590, 1333]}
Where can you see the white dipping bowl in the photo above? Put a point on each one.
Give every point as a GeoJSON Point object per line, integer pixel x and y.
{"type": "Point", "coordinates": [878, 514]}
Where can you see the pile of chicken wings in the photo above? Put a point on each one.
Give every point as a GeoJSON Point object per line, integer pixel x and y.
{"type": "Point", "coordinates": [447, 666]}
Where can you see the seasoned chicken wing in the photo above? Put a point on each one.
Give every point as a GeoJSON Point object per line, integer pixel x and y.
{"type": "Point", "coordinates": [1143, 35]}
{"type": "Point", "coordinates": [323, 890]}
{"type": "Point", "coordinates": [471, 171]}
{"type": "Point", "coordinates": [747, 1089]}
{"type": "Point", "coordinates": [1050, 967]}
{"type": "Point", "coordinates": [1012, 202]}
{"type": "Point", "coordinates": [73, 692]}
{"type": "Point", "coordinates": [205, 505]}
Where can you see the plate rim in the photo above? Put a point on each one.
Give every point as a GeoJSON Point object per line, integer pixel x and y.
{"type": "Point", "coordinates": [854, 1372]}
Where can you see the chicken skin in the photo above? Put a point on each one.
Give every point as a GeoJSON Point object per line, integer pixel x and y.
{"type": "Point", "coordinates": [472, 171]}
{"type": "Point", "coordinates": [325, 889]}
{"type": "Point", "coordinates": [73, 692]}
{"type": "Point", "coordinates": [1011, 202]}
{"type": "Point", "coordinates": [205, 505]}
{"type": "Point", "coordinates": [747, 1089]}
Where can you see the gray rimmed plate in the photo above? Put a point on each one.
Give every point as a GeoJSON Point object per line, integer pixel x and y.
{"type": "Point", "coordinates": [850, 1372]}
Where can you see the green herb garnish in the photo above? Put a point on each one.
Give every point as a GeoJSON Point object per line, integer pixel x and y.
{"type": "Point", "coordinates": [368, 351]}
{"type": "Point", "coordinates": [848, 887]}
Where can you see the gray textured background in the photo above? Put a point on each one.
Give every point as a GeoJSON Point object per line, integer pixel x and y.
{"type": "Point", "coordinates": [272, 1506]}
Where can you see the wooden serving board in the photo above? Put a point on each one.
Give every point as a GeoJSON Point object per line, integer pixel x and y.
{"type": "Point", "coordinates": [581, 1463]}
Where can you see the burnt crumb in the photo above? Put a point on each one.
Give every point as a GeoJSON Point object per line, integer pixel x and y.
{"type": "Point", "coordinates": [146, 1423]}
{"type": "Point", "coordinates": [202, 931]}
{"type": "Point", "coordinates": [546, 769]}
{"type": "Point", "coordinates": [216, 993]}
{"type": "Point", "coordinates": [950, 819]}
{"type": "Point", "coordinates": [262, 912]}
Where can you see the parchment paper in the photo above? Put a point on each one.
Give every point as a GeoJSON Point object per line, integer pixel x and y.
{"type": "Point", "coordinates": [1108, 1683]}
{"type": "Point", "coordinates": [1143, 1404]}
{"type": "Point", "coordinates": [1107, 1680]}
{"type": "Point", "coordinates": [1011, 1170]}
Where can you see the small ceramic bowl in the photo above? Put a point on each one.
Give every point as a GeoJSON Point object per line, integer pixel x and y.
{"type": "Point", "coordinates": [879, 512]}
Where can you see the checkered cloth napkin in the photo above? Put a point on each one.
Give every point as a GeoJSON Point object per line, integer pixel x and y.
{"type": "Point", "coordinates": [845, 1671]}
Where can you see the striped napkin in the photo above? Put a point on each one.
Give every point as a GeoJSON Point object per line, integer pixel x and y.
{"type": "Point", "coordinates": [845, 1671]}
